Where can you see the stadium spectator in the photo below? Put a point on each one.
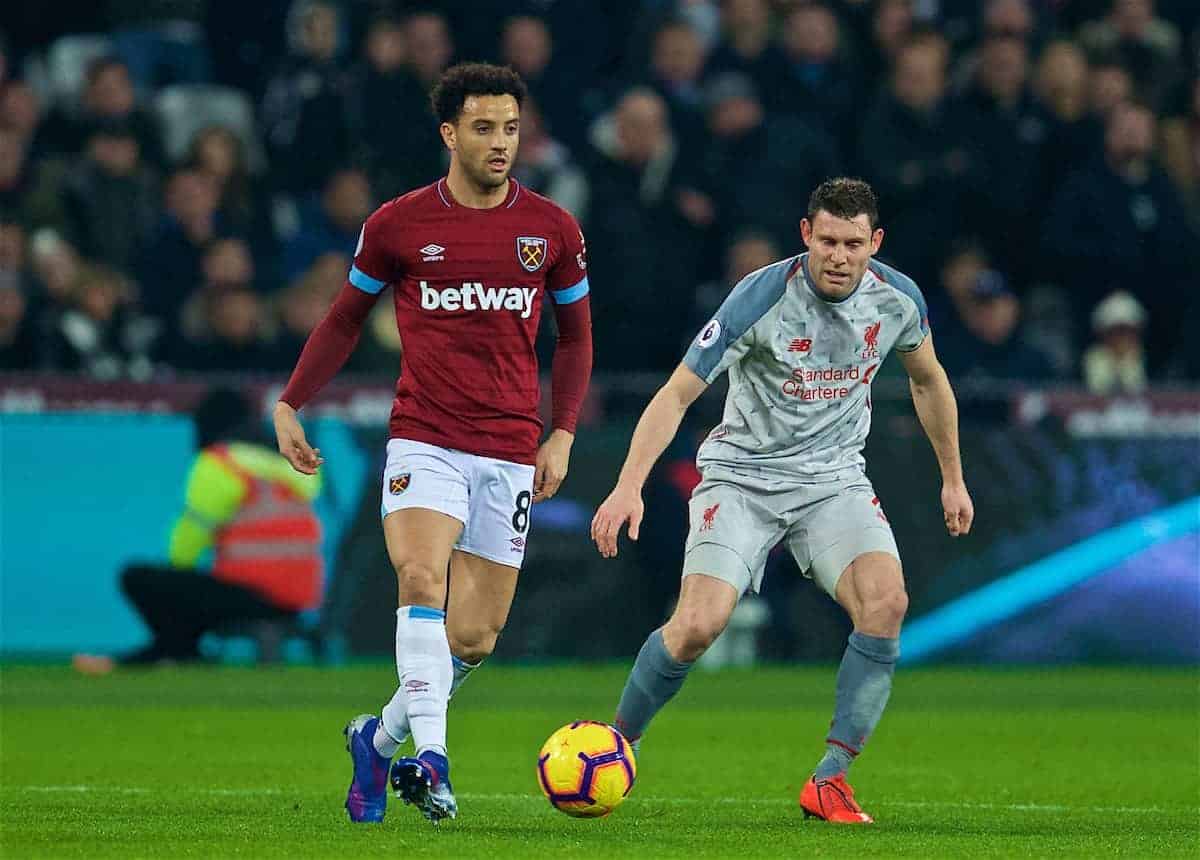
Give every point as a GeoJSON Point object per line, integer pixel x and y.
{"type": "Point", "coordinates": [750, 250]}
{"type": "Point", "coordinates": [757, 166]}
{"type": "Point", "coordinates": [99, 334]}
{"type": "Point", "coordinates": [233, 338]}
{"type": "Point", "coordinates": [110, 197]}
{"type": "Point", "coordinates": [1118, 223]}
{"type": "Point", "coordinates": [1181, 151]}
{"type": "Point", "coordinates": [880, 38]}
{"type": "Point", "coordinates": [303, 111]}
{"type": "Point", "coordinates": [1060, 83]}
{"type": "Point", "coordinates": [430, 46]}
{"type": "Point", "coordinates": [244, 502]}
{"type": "Point", "coordinates": [676, 66]}
{"type": "Point", "coordinates": [303, 303]}
{"type": "Point", "coordinates": [1109, 84]}
{"type": "Point", "coordinates": [1144, 43]}
{"type": "Point", "coordinates": [637, 240]}
{"type": "Point", "coordinates": [108, 96]}
{"type": "Point", "coordinates": [385, 101]}
{"type": "Point", "coordinates": [242, 208]}
{"type": "Point", "coordinates": [19, 108]}
{"type": "Point", "coordinates": [746, 46]}
{"type": "Point", "coordinates": [820, 87]}
{"type": "Point", "coordinates": [527, 45]}
{"type": "Point", "coordinates": [1061, 89]}
{"type": "Point", "coordinates": [162, 42]}
{"type": "Point", "coordinates": [1116, 362]}
{"type": "Point", "coordinates": [55, 264]}
{"type": "Point", "coordinates": [170, 266]}
{"type": "Point", "coordinates": [333, 225]}
{"type": "Point", "coordinates": [1014, 19]}
{"type": "Point", "coordinates": [985, 352]}
{"type": "Point", "coordinates": [18, 334]}
{"type": "Point", "coordinates": [546, 166]}
{"type": "Point", "coordinates": [13, 256]}
{"type": "Point", "coordinates": [913, 151]}
{"type": "Point", "coordinates": [15, 175]}
{"type": "Point", "coordinates": [963, 265]}
{"type": "Point", "coordinates": [1009, 131]}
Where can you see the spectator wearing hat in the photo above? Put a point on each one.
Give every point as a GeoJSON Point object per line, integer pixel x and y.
{"type": "Point", "coordinates": [985, 354]}
{"type": "Point", "coordinates": [1116, 362]}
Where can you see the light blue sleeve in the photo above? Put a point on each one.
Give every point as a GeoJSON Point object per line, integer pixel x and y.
{"type": "Point", "coordinates": [916, 320]}
{"type": "Point", "coordinates": [729, 335]}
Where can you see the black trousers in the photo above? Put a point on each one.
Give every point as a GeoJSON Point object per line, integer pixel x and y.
{"type": "Point", "coordinates": [180, 606]}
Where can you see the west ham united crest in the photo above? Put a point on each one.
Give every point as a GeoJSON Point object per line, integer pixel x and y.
{"type": "Point", "coordinates": [531, 252]}
{"type": "Point", "coordinates": [397, 484]}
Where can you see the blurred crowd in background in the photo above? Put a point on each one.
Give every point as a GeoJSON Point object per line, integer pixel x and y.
{"type": "Point", "coordinates": [182, 182]}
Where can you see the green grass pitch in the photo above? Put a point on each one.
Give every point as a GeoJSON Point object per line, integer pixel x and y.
{"type": "Point", "coordinates": [241, 762]}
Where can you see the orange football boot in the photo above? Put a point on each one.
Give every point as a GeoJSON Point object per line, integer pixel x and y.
{"type": "Point", "coordinates": [832, 800]}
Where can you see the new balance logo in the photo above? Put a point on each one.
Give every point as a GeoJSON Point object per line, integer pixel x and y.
{"type": "Point", "coordinates": [432, 253]}
{"type": "Point", "coordinates": [800, 344]}
{"type": "Point", "coordinates": [474, 296]}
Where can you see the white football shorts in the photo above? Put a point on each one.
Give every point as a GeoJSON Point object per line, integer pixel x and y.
{"type": "Point", "coordinates": [491, 498]}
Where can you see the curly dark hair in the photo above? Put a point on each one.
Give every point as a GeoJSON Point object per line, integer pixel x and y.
{"type": "Point", "coordinates": [473, 79]}
{"type": "Point", "coordinates": [845, 197]}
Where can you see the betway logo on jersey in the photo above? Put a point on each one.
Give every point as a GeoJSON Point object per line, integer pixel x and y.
{"type": "Point", "coordinates": [474, 296]}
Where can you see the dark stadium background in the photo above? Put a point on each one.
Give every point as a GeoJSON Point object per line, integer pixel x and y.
{"type": "Point", "coordinates": [685, 136]}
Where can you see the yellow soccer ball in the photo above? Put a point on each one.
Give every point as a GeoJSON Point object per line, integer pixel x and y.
{"type": "Point", "coordinates": [586, 769]}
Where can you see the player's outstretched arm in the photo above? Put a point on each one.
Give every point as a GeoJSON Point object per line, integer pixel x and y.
{"type": "Point", "coordinates": [324, 353]}
{"type": "Point", "coordinates": [938, 413]}
{"type": "Point", "coordinates": [655, 430]}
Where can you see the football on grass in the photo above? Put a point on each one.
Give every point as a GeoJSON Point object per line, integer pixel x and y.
{"type": "Point", "coordinates": [586, 769]}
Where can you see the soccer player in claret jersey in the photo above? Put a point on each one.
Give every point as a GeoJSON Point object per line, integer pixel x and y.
{"type": "Point", "coordinates": [469, 260]}
{"type": "Point", "coordinates": [801, 339]}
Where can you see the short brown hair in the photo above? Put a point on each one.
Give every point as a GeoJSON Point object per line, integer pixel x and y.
{"type": "Point", "coordinates": [473, 79]}
{"type": "Point", "coordinates": [845, 197]}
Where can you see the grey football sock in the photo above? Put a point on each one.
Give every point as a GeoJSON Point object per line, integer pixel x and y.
{"type": "Point", "coordinates": [655, 678]}
{"type": "Point", "coordinates": [864, 683]}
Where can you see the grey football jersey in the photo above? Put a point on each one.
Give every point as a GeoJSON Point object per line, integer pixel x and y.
{"type": "Point", "coordinates": [800, 369]}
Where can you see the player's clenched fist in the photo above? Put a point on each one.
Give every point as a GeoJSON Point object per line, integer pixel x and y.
{"type": "Point", "coordinates": [957, 508]}
{"type": "Point", "coordinates": [292, 443]}
{"type": "Point", "coordinates": [623, 505]}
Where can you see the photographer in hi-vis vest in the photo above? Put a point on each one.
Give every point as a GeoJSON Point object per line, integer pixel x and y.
{"type": "Point", "coordinates": [245, 502]}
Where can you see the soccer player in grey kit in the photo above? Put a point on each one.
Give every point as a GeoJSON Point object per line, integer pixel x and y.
{"type": "Point", "coordinates": [801, 339]}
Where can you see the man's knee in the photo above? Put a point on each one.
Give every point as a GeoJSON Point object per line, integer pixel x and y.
{"type": "Point", "coordinates": [420, 582]}
{"type": "Point", "coordinates": [885, 610]}
{"type": "Point", "coordinates": [474, 642]}
{"type": "Point", "coordinates": [692, 629]}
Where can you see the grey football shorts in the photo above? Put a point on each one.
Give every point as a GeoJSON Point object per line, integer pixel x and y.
{"type": "Point", "coordinates": [826, 526]}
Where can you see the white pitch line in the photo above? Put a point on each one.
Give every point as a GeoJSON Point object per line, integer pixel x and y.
{"type": "Point", "coordinates": [669, 801]}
